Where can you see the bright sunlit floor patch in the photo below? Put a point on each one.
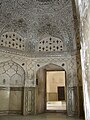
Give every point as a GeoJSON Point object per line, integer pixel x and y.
{"type": "Point", "coordinates": [56, 105]}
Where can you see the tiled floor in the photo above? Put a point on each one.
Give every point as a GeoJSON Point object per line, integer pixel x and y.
{"type": "Point", "coordinates": [45, 116]}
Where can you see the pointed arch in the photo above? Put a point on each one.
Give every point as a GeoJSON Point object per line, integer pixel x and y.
{"type": "Point", "coordinates": [41, 85]}
{"type": "Point", "coordinates": [14, 72]}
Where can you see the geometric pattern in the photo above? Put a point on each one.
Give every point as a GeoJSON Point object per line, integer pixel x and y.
{"type": "Point", "coordinates": [11, 74]}
{"type": "Point", "coordinates": [50, 44]}
{"type": "Point", "coordinates": [12, 40]}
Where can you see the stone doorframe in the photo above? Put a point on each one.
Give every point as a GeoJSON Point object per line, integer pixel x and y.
{"type": "Point", "coordinates": [71, 90]}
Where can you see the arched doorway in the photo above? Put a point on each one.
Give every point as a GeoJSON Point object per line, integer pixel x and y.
{"type": "Point", "coordinates": [41, 87]}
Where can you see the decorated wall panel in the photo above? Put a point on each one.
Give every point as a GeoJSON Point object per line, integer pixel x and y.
{"type": "Point", "coordinates": [50, 44]}
{"type": "Point", "coordinates": [12, 40]}
{"type": "Point", "coordinates": [4, 100]}
{"type": "Point", "coordinates": [11, 100]}
{"type": "Point", "coordinates": [11, 74]}
{"type": "Point", "coordinates": [29, 101]}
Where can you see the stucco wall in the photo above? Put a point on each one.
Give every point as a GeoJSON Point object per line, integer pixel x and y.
{"type": "Point", "coordinates": [84, 18]}
{"type": "Point", "coordinates": [54, 79]}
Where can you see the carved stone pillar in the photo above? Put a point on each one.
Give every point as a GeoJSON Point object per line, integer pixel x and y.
{"type": "Point", "coordinates": [29, 101]}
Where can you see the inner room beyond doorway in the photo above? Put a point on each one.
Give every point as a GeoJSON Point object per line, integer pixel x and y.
{"type": "Point", "coordinates": [55, 91]}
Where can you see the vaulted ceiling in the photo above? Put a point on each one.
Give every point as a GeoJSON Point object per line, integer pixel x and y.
{"type": "Point", "coordinates": [34, 20]}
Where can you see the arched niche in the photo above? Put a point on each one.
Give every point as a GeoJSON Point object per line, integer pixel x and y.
{"type": "Point", "coordinates": [11, 88]}
{"type": "Point", "coordinates": [11, 74]}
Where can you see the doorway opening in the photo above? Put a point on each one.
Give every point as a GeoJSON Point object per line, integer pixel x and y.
{"type": "Point", "coordinates": [42, 93]}
{"type": "Point", "coordinates": [55, 91]}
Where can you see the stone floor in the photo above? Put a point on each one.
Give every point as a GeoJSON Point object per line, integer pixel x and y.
{"type": "Point", "coordinates": [56, 105]}
{"type": "Point", "coordinates": [45, 116]}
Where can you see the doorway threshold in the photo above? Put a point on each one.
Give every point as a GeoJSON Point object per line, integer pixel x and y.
{"type": "Point", "coordinates": [56, 111]}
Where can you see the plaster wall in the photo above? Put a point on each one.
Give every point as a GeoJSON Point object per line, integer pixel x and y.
{"type": "Point", "coordinates": [84, 19]}
{"type": "Point", "coordinates": [54, 79]}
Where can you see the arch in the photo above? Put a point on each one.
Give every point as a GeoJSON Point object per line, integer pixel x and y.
{"type": "Point", "coordinates": [41, 85]}
{"type": "Point", "coordinates": [51, 66]}
{"type": "Point", "coordinates": [61, 65]}
{"type": "Point", "coordinates": [14, 72]}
